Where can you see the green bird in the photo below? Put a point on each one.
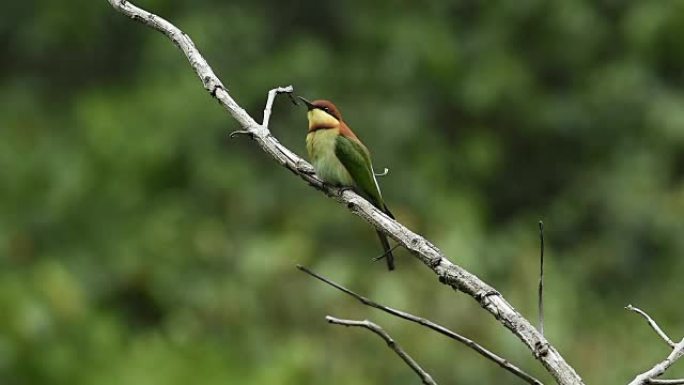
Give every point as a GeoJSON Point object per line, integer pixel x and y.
{"type": "Point", "coordinates": [341, 159]}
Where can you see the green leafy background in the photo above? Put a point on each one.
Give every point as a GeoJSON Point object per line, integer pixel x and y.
{"type": "Point", "coordinates": [140, 245]}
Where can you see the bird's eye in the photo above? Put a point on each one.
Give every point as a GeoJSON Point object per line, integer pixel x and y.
{"type": "Point", "coordinates": [326, 109]}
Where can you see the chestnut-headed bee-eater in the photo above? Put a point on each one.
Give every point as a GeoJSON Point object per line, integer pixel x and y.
{"type": "Point", "coordinates": [340, 159]}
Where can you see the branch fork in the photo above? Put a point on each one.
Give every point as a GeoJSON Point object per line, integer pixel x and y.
{"type": "Point", "coordinates": [502, 362]}
{"type": "Point", "coordinates": [424, 376]}
{"type": "Point", "coordinates": [448, 273]}
{"type": "Point", "coordinates": [649, 376]}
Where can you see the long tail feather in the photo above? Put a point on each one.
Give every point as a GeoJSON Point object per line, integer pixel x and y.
{"type": "Point", "coordinates": [386, 210]}
{"type": "Point", "coordinates": [388, 251]}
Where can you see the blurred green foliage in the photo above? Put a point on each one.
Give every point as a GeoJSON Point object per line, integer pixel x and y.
{"type": "Point", "coordinates": [139, 245]}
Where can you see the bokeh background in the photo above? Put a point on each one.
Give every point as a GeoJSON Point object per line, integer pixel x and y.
{"type": "Point", "coordinates": [140, 245]}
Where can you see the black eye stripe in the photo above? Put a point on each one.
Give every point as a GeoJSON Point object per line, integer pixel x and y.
{"type": "Point", "coordinates": [327, 110]}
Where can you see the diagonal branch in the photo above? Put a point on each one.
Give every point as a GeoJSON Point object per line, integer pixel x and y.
{"type": "Point", "coordinates": [653, 325]}
{"type": "Point", "coordinates": [540, 302]}
{"type": "Point", "coordinates": [431, 325]}
{"type": "Point", "coordinates": [424, 376]}
{"type": "Point", "coordinates": [648, 377]}
{"type": "Point", "coordinates": [660, 368]}
{"type": "Point", "coordinates": [447, 272]}
{"type": "Point", "coordinates": [679, 381]}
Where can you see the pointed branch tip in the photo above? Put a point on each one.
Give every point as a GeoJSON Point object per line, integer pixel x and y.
{"type": "Point", "coordinates": [384, 172]}
{"type": "Point", "coordinates": [653, 325]}
{"type": "Point", "coordinates": [239, 132]}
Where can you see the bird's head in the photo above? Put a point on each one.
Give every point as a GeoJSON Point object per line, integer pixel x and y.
{"type": "Point", "coordinates": [322, 114]}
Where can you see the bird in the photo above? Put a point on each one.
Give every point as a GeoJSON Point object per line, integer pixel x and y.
{"type": "Point", "coordinates": [342, 160]}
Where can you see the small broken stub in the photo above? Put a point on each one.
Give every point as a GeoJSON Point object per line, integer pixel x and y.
{"type": "Point", "coordinates": [541, 349]}
{"type": "Point", "coordinates": [483, 297]}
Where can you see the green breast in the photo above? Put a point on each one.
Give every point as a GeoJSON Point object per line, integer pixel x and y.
{"type": "Point", "coordinates": [321, 147]}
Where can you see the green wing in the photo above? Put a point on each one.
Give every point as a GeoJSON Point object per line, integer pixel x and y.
{"type": "Point", "coordinates": [355, 158]}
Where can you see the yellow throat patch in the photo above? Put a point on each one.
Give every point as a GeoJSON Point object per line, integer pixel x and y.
{"type": "Point", "coordinates": [321, 119]}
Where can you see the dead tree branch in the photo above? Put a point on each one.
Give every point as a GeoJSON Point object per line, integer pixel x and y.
{"type": "Point", "coordinates": [649, 376]}
{"type": "Point", "coordinates": [660, 368]}
{"type": "Point", "coordinates": [424, 376]}
{"type": "Point", "coordinates": [653, 325]}
{"type": "Point", "coordinates": [431, 325]}
{"type": "Point", "coordinates": [679, 381]}
{"type": "Point", "coordinates": [447, 272]}
{"type": "Point", "coordinates": [540, 304]}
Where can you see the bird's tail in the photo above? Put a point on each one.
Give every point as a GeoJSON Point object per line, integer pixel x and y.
{"type": "Point", "coordinates": [388, 251]}
{"type": "Point", "coordinates": [386, 211]}
{"type": "Point", "coordinates": [389, 257]}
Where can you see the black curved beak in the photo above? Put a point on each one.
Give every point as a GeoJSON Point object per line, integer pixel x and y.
{"type": "Point", "coordinates": [309, 106]}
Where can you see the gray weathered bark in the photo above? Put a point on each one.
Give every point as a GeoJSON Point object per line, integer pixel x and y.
{"type": "Point", "coordinates": [447, 272]}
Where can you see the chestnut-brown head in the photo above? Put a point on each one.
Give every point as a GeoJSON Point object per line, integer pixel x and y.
{"type": "Point", "coordinates": [322, 114]}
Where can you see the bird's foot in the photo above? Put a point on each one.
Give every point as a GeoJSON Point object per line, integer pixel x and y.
{"type": "Point", "coordinates": [342, 189]}
{"type": "Point", "coordinates": [483, 297]}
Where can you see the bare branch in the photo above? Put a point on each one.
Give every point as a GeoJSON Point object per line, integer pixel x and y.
{"type": "Point", "coordinates": [448, 272]}
{"type": "Point", "coordinates": [649, 376]}
{"type": "Point", "coordinates": [653, 325]}
{"type": "Point", "coordinates": [541, 278]}
{"type": "Point", "coordinates": [383, 255]}
{"type": "Point", "coordinates": [424, 376]}
{"type": "Point", "coordinates": [384, 172]}
{"type": "Point", "coordinates": [679, 381]}
{"type": "Point", "coordinates": [237, 133]}
{"type": "Point", "coordinates": [429, 324]}
{"type": "Point", "coordinates": [210, 81]}
{"type": "Point", "coordinates": [269, 102]}
{"type": "Point", "coordinates": [661, 367]}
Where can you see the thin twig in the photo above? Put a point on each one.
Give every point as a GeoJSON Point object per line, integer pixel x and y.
{"type": "Point", "coordinates": [679, 381]}
{"type": "Point", "coordinates": [429, 324]}
{"type": "Point", "coordinates": [239, 132]}
{"type": "Point", "coordinates": [448, 272]}
{"type": "Point", "coordinates": [541, 278]}
{"type": "Point", "coordinates": [649, 376]}
{"type": "Point", "coordinates": [653, 325]}
{"type": "Point", "coordinates": [381, 256]}
{"type": "Point", "coordinates": [424, 376]}
{"type": "Point", "coordinates": [661, 367]}
{"type": "Point", "coordinates": [269, 102]}
{"type": "Point", "coordinates": [384, 172]}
